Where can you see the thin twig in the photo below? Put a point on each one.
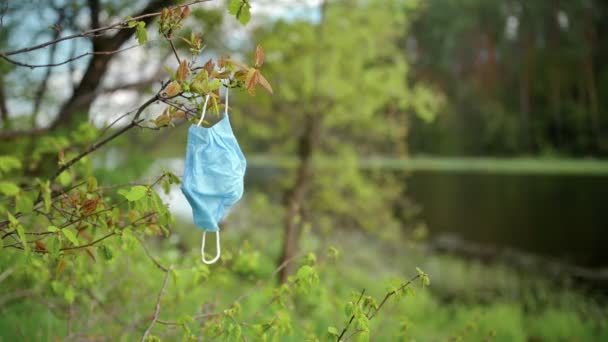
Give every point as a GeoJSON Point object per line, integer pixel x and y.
{"type": "Point", "coordinates": [157, 308]}
{"type": "Point", "coordinates": [392, 293]}
{"type": "Point", "coordinates": [173, 48]}
{"type": "Point", "coordinates": [120, 25]}
{"type": "Point", "coordinates": [69, 60]}
{"type": "Point", "coordinates": [375, 311]}
{"type": "Point", "coordinates": [89, 244]}
{"type": "Point", "coordinates": [351, 317]}
{"type": "Point", "coordinates": [156, 262]}
{"type": "Point", "coordinates": [99, 144]}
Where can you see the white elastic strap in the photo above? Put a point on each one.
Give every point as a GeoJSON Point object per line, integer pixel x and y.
{"type": "Point", "coordinates": [217, 242]}
{"type": "Point", "coordinates": [226, 104]}
{"type": "Point", "coordinates": [204, 110]}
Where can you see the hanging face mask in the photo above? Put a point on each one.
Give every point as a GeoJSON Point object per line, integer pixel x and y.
{"type": "Point", "coordinates": [213, 175]}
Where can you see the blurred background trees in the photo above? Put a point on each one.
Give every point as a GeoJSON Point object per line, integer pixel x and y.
{"type": "Point", "coordinates": [523, 78]}
{"type": "Point", "coordinates": [360, 170]}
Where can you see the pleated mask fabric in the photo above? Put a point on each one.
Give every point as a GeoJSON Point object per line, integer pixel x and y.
{"type": "Point", "coordinates": [213, 179]}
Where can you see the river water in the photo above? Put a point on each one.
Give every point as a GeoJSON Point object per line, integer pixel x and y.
{"type": "Point", "coordinates": [559, 216]}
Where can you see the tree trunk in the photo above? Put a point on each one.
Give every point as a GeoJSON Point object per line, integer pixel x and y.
{"type": "Point", "coordinates": [524, 91]}
{"type": "Point", "coordinates": [296, 196]}
{"type": "Point", "coordinates": [556, 77]}
{"type": "Point", "coordinates": [591, 90]}
{"type": "Point", "coordinates": [306, 146]}
{"type": "Point", "coordinates": [6, 123]}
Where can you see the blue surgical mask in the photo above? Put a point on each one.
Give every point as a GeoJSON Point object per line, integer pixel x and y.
{"type": "Point", "coordinates": [213, 175]}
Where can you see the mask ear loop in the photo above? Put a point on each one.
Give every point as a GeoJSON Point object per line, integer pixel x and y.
{"type": "Point", "coordinates": [217, 234]}
{"type": "Point", "coordinates": [204, 110]}
{"type": "Point", "coordinates": [226, 102]}
{"type": "Point", "coordinates": [217, 245]}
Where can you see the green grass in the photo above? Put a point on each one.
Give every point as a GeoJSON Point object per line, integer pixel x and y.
{"type": "Point", "coordinates": [470, 300]}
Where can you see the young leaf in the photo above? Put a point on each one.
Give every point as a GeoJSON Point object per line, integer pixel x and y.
{"type": "Point", "coordinates": [264, 83]}
{"type": "Point", "coordinates": [9, 188]}
{"type": "Point", "coordinates": [182, 71]}
{"type": "Point", "coordinates": [209, 66]}
{"type": "Point", "coordinates": [24, 203]}
{"type": "Point", "coordinates": [45, 189]}
{"type": "Point", "coordinates": [173, 89]}
{"type": "Point", "coordinates": [140, 33]}
{"type": "Point", "coordinates": [245, 14]}
{"type": "Point", "coordinates": [91, 183]}
{"type": "Point", "coordinates": [69, 294]}
{"type": "Point", "coordinates": [185, 12]}
{"type": "Point", "coordinates": [221, 62]}
{"type": "Point", "coordinates": [105, 252]}
{"type": "Point", "coordinates": [259, 56]}
{"type": "Point", "coordinates": [234, 6]}
{"type": "Point", "coordinates": [8, 163]}
{"type": "Point", "coordinates": [40, 245]}
{"type": "Point", "coordinates": [12, 220]}
{"type": "Point", "coordinates": [135, 193]}
{"type": "Point", "coordinates": [253, 76]}
{"type": "Point", "coordinates": [21, 234]}
{"type": "Point", "coordinates": [71, 236]}
{"type": "Point", "coordinates": [162, 120]}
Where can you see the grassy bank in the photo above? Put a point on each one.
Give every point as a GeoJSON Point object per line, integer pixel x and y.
{"type": "Point", "coordinates": [441, 164]}
{"type": "Point", "coordinates": [466, 300]}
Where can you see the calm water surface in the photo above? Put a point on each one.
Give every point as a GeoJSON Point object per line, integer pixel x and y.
{"type": "Point", "coordinates": [558, 216]}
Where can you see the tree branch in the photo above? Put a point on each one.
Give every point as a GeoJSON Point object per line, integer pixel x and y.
{"type": "Point", "coordinates": [373, 312]}
{"type": "Point", "coordinates": [4, 115]}
{"type": "Point", "coordinates": [392, 293]}
{"type": "Point", "coordinates": [117, 26]}
{"type": "Point", "coordinates": [98, 65]}
{"type": "Point", "coordinates": [351, 317]}
{"type": "Point", "coordinates": [157, 308]}
{"type": "Point", "coordinates": [69, 60]}
{"type": "Point", "coordinates": [94, 8]}
{"type": "Point", "coordinates": [99, 144]}
{"type": "Point", "coordinates": [42, 88]}
{"type": "Point", "coordinates": [156, 262]}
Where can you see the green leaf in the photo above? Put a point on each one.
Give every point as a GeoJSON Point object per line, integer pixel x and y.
{"type": "Point", "coordinates": [12, 220]}
{"type": "Point", "coordinates": [65, 178]}
{"type": "Point", "coordinates": [173, 179]}
{"type": "Point", "coordinates": [69, 294]}
{"type": "Point", "coordinates": [135, 193]}
{"type": "Point", "coordinates": [54, 247]}
{"type": "Point", "coordinates": [234, 6]}
{"type": "Point", "coordinates": [245, 14]}
{"type": "Point", "coordinates": [241, 10]}
{"type": "Point", "coordinates": [105, 252]}
{"type": "Point", "coordinates": [140, 33]}
{"type": "Point", "coordinates": [70, 235]}
{"type": "Point", "coordinates": [91, 183]}
{"type": "Point", "coordinates": [349, 309]}
{"type": "Point", "coordinates": [332, 331]}
{"type": "Point", "coordinates": [9, 188]}
{"type": "Point", "coordinates": [45, 189]}
{"type": "Point", "coordinates": [52, 229]}
{"type": "Point", "coordinates": [8, 163]}
{"type": "Point", "coordinates": [130, 22]}
{"type": "Point", "coordinates": [21, 234]}
{"type": "Point", "coordinates": [24, 203]}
